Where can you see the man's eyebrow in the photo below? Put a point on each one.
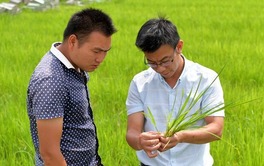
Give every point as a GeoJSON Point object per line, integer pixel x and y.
{"type": "Point", "coordinates": [100, 49]}
{"type": "Point", "coordinates": [166, 57]}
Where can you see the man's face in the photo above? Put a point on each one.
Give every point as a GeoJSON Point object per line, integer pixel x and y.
{"type": "Point", "coordinates": [88, 55]}
{"type": "Point", "coordinates": [164, 61]}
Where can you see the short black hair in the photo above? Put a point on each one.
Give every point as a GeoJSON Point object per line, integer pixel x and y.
{"type": "Point", "coordinates": [87, 21]}
{"type": "Point", "coordinates": [156, 32]}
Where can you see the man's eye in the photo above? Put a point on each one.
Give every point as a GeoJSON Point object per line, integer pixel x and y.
{"type": "Point", "coordinates": [151, 63]}
{"type": "Point", "coordinates": [164, 61]}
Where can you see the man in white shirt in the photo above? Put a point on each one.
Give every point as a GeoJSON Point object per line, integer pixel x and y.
{"type": "Point", "coordinates": [160, 88]}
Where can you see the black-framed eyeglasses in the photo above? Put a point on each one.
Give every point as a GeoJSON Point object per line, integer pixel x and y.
{"type": "Point", "coordinates": [163, 63]}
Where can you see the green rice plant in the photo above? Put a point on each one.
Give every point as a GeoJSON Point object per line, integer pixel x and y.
{"type": "Point", "coordinates": [186, 121]}
{"type": "Point", "coordinates": [183, 119]}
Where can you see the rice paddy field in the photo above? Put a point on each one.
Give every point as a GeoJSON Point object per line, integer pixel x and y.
{"type": "Point", "coordinates": [215, 33]}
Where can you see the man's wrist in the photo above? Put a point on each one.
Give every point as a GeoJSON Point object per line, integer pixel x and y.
{"type": "Point", "coordinates": [139, 147]}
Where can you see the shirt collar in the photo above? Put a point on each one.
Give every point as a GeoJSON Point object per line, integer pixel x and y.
{"type": "Point", "coordinates": [186, 63]}
{"type": "Point", "coordinates": [60, 56]}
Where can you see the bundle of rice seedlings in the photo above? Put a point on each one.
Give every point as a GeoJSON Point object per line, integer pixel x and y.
{"type": "Point", "coordinates": [184, 120]}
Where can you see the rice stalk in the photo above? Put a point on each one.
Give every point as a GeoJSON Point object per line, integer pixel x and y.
{"type": "Point", "coordinates": [152, 119]}
{"type": "Point", "coordinates": [185, 121]}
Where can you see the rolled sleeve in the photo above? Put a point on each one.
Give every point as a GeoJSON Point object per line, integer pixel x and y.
{"type": "Point", "coordinates": [134, 103]}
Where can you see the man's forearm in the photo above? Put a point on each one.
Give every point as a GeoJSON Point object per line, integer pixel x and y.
{"type": "Point", "coordinates": [133, 141]}
{"type": "Point", "coordinates": [203, 135]}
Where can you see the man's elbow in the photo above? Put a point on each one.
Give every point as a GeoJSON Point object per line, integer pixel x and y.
{"type": "Point", "coordinates": [46, 155]}
{"type": "Point", "coordinates": [50, 156]}
{"type": "Point", "coordinates": [219, 135]}
{"type": "Point", "coordinates": [219, 132]}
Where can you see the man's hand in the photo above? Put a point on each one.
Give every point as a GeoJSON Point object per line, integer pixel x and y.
{"type": "Point", "coordinates": [168, 142]}
{"type": "Point", "coordinates": [150, 143]}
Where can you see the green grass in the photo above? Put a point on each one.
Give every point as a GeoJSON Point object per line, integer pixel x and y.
{"type": "Point", "coordinates": [215, 33]}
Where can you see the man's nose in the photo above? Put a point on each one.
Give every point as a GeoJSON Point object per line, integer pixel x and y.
{"type": "Point", "coordinates": [101, 57]}
{"type": "Point", "coordinates": [159, 68]}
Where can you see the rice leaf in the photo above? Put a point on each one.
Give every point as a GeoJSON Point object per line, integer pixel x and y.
{"type": "Point", "coordinates": [152, 119]}
{"type": "Point", "coordinates": [182, 121]}
{"type": "Point", "coordinates": [186, 121]}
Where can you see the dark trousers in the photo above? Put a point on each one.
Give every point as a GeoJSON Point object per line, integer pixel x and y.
{"type": "Point", "coordinates": [141, 164]}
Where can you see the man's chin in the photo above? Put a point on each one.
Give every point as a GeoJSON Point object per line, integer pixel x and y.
{"type": "Point", "coordinates": [90, 70]}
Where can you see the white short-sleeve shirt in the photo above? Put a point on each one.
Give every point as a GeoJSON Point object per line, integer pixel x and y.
{"type": "Point", "coordinates": [148, 89]}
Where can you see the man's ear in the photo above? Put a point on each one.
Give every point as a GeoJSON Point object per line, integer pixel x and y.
{"type": "Point", "coordinates": [72, 41]}
{"type": "Point", "coordinates": [179, 46]}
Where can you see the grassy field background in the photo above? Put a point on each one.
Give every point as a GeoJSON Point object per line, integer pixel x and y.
{"type": "Point", "coordinates": [215, 33]}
